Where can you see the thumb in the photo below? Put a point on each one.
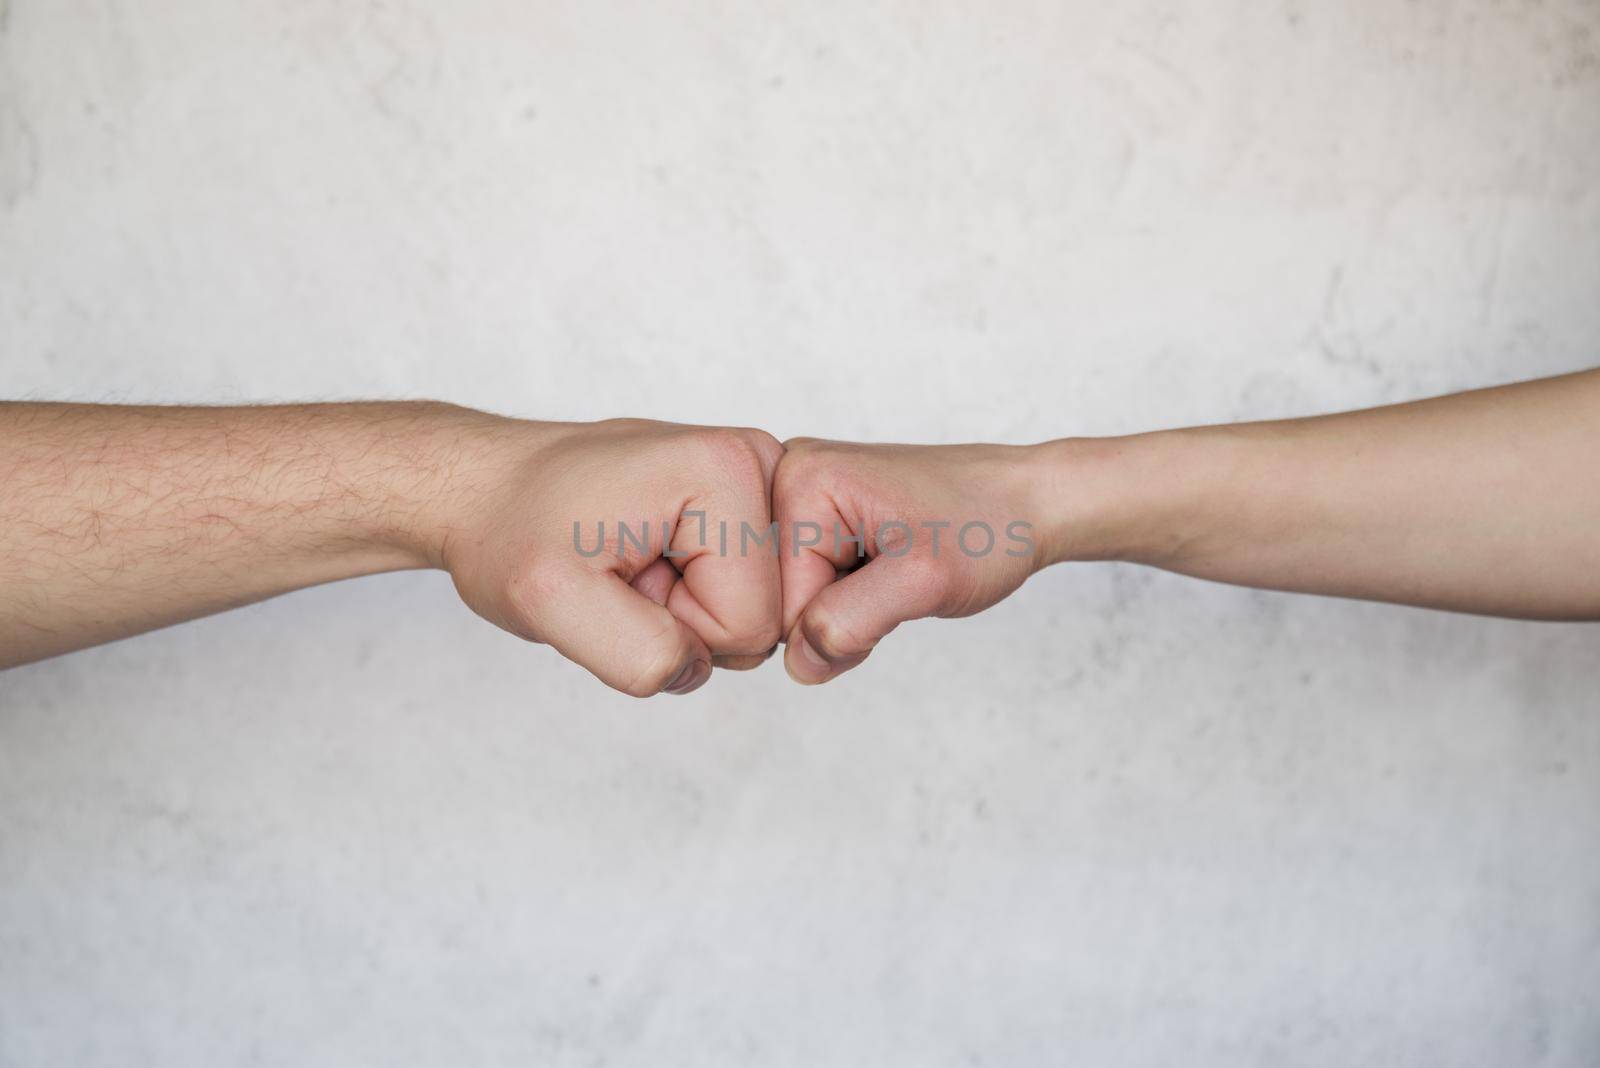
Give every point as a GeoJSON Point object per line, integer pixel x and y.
{"type": "Point", "coordinates": [846, 619]}
{"type": "Point", "coordinates": [626, 639]}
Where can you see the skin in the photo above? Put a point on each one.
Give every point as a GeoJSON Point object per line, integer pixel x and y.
{"type": "Point", "coordinates": [837, 604]}
{"type": "Point", "coordinates": [115, 521]}
{"type": "Point", "coordinates": [1485, 502]}
{"type": "Point", "coordinates": [118, 520]}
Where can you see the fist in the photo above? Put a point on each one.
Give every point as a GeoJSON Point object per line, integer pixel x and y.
{"type": "Point", "coordinates": [874, 535]}
{"type": "Point", "coordinates": [602, 540]}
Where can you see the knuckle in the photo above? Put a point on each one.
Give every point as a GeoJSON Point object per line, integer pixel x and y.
{"type": "Point", "coordinates": [924, 582]}
{"type": "Point", "coordinates": [833, 638]}
{"type": "Point", "coordinates": [800, 470]}
{"type": "Point", "coordinates": [730, 451]}
{"type": "Point", "coordinates": [922, 572]}
{"type": "Point", "coordinates": [895, 538]}
{"type": "Point", "coordinates": [767, 447]}
{"type": "Point", "coordinates": [660, 657]}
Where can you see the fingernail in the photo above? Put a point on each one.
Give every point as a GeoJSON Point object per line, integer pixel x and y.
{"type": "Point", "coordinates": [692, 677]}
{"type": "Point", "coordinates": [811, 658]}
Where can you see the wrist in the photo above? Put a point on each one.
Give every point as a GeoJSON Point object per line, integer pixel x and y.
{"type": "Point", "coordinates": [1141, 498]}
{"type": "Point", "coordinates": [446, 467]}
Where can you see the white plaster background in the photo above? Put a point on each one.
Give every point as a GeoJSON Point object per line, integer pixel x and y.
{"type": "Point", "coordinates": [1123, 819]}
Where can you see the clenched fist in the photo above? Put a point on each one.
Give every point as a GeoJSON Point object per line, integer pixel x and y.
{"type": "Point", "coordinates": [875, 535]}
{"type": "Point", "coordinates": [602, 540]}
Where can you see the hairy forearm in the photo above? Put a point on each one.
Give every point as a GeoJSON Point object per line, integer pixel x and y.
{"type": "Point", "coordinates": [116, 520]}
{"type": "Point", "coordinates": [1485, 502]}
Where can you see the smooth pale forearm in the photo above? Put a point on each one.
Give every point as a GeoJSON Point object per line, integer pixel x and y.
{"type": "Point", "coordinates": [1487, 501]}
{"type": "Point", "coordinates": [117, 520]}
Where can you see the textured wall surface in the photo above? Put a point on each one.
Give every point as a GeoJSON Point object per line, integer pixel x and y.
{"type": "Point", "coordinates": [1123, 819]}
